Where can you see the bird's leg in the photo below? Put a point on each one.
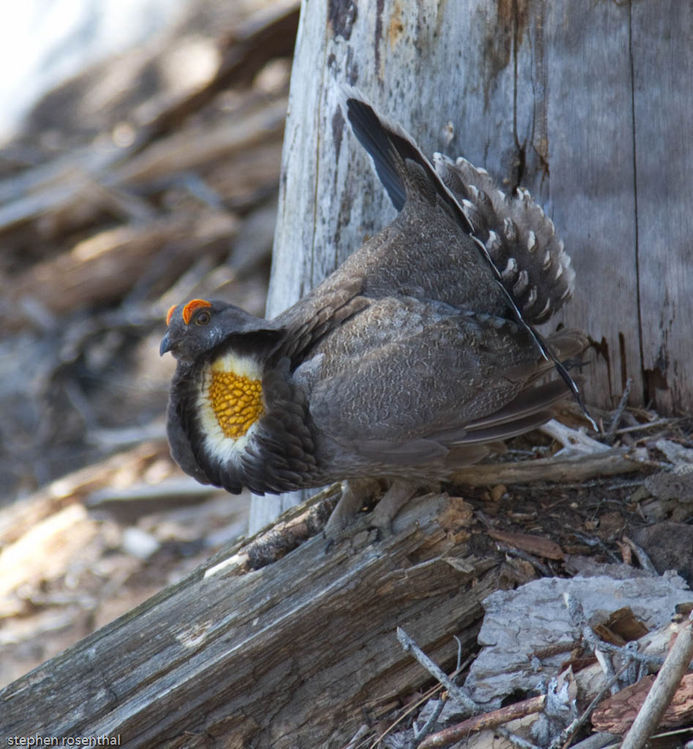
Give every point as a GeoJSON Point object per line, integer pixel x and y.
{"type": "Point", "coordinates": [354, 492]}
{"type": "Point", "coordinates": [399, 493]}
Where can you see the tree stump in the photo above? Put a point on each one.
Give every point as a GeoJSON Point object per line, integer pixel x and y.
{"type": "Point", "coordinates": [584, 104]}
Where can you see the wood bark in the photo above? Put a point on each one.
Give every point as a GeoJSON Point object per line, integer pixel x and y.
{"type": "Point", "coordinates": [250, 652]}
{"type": "Point", "coordinates": [583, 103]}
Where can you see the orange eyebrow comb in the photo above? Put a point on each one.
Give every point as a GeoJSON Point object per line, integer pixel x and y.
{"type": "Point", "coordinates": [169, 314]}
{"type": "Point", "coordinates": [191, 306]}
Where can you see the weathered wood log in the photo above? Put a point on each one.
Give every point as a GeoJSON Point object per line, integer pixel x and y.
{"type": "Point", "coordinates": [192, 148]}
{"type": "Point", "coordinates": [298, 652]}
{"type": "Point", "coordinates": [69, 182]}
{"type": "Point", "coordinates": [106, 266]}
{"type": "Point", "coordinates": [19, 518]}
{"type": "Point", "coordinates": [574, 468]}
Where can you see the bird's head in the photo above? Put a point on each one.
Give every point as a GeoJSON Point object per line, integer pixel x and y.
{"type": "Point", "coordinates": [197, 327]}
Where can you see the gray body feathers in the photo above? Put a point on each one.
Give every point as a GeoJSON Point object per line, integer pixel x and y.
{"type": "Point", "coordinates": [410, 357]}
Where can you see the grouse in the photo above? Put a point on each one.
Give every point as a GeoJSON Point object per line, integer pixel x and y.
{"type": "Point", "coordinates": [404, 364]}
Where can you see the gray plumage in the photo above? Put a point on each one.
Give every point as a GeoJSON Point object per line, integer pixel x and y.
{"type": "Point", "coordinates": [406, 361]}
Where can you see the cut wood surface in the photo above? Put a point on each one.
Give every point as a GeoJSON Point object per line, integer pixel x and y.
{"type": "Point", "coordinates": [287, 655]}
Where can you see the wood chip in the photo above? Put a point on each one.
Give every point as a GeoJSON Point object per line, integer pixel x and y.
{"type": "Point", "coordinates": [617, 713]}
{"type": "Point", "coordinates": [538, 545]}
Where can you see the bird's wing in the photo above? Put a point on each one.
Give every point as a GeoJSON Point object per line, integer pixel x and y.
{"type": "Point", "coordinates": [412, 379]}
{"type": "Point", "coordinates": [317, 314]}
{"type": "Point", "coordinates": [531, 286]}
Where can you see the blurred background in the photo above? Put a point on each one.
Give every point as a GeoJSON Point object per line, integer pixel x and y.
{"type": "Point", "coordinates": [44, 42]}
{"type": "Point", "coordinates": [140, 147]}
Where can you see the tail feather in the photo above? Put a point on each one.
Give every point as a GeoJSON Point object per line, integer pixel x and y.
{"type": "Point", "coordinates": [520, 238]}
{"type": "Point", "coordinates": [398, 160]}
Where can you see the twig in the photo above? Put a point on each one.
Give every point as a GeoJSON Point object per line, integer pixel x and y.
{"type": "Point", "coordinates": [665, 685]}
{"type": "Point", "coordinates": [598, 741]}
{"type": "Point", "coordinates": [356, 739]}
{"type": "Point", "coordinates": [428, 725]}
{"type": "Point", "coordinates": [646, 425]}
{"type": "Point", "coordinates": [682, 732]}
{"type": "Point", "coordinates": [643, 558]}
{"type": "Point", "coordinates": [529, 558]}
{"type": "Point", "coordinates": [621, 650]}
{"type": "Point", "coordinates": [516, 740]}
{"type": "Point", "coordinates": [611, 431]}
{"type": "Point", "coordinates": [591, 639]}
{"type": "Point", "coordinates": [577, 616]}
{"type": "Point", "coordinates": [457, 693]}
{"type": "Point", "coordinates": [636, 669]}
{"type": "Point", "coordinates": [459, 654]}
{"type": "Point", "coordinates": [414, 706]}
{"type": "Point", "coordinates": [604, 661]}
{"type": "Point", "coordinates": [481, 722]}
{"type": "Point", "coordinates": [573, 440]}
{"type": "Point", "coordinates": [564, 738]}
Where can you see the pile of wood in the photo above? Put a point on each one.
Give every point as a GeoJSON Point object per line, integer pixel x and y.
{"type": "Point", "coordinates": [284, 640]}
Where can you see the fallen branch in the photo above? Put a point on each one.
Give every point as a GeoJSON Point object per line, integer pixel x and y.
{"type": "Point", "coordinates": [576, 468]}
{"type": "Point", "coordinates": [456, 692]}
{"type": "Point", "coordinates": [663, 689]}
{"type": "Point", "coordinates": [492, 719]}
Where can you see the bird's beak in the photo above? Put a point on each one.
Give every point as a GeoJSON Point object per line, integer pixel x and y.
{"type": "Point", "coordinates": [166, 344]}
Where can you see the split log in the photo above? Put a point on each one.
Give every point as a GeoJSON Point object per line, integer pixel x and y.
{"type": "Point", "coordinates": [298, 652]}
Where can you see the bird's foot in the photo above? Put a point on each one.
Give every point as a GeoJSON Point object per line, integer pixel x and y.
{"type": "Point", "coordinates": [355, 495]}
{"type": "Point", "coordinates": [394, 499]}
{"type": "Point", "coordinates": [355, 492]}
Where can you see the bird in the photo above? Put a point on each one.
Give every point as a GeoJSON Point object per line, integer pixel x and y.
{"type": "Point", "coordinates": [404, 364]}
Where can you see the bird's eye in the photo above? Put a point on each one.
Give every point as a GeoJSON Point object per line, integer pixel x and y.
{"type": "Point", "coordinates": [203, 317]}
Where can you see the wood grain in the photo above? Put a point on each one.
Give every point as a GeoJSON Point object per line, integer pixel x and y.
{"type": "Point", "coordinates": [283, 656]}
